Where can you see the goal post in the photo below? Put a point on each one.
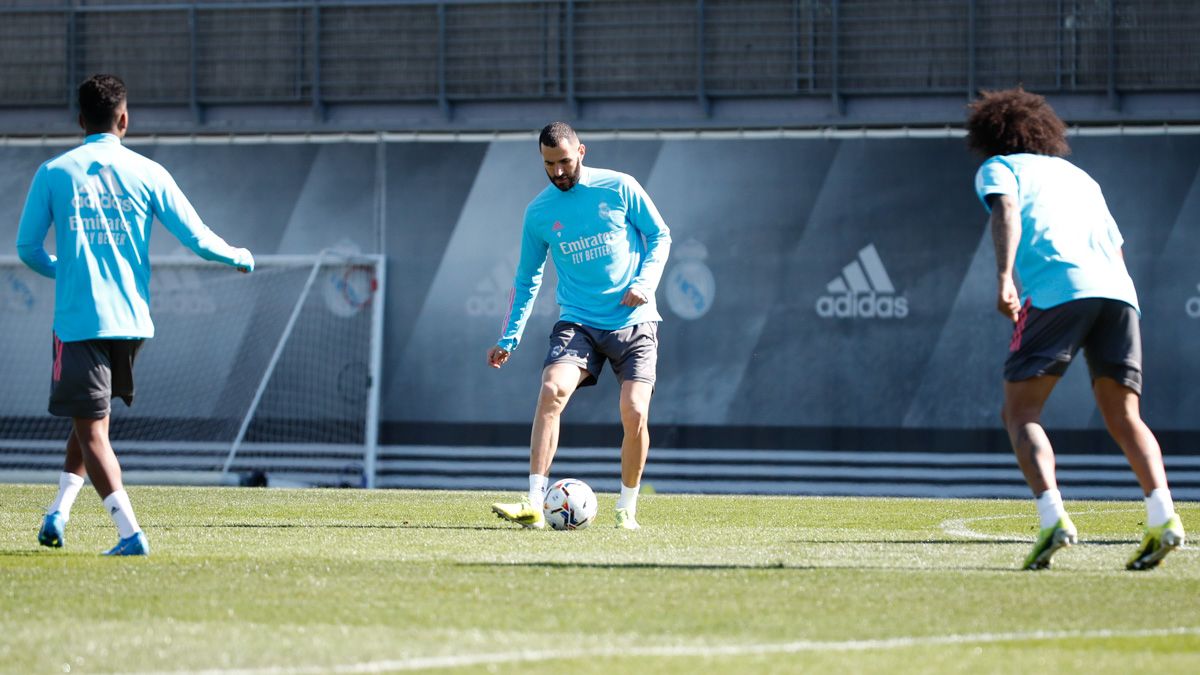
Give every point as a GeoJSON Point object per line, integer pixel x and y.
{"type": "Point", "coordinates": [275, 374]}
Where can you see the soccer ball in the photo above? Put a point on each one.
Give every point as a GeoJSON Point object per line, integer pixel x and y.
{"type": "Point", "coordinates": [570, 505]}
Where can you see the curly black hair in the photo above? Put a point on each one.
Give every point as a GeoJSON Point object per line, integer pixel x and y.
{"type": "Point", "coordinates": [100, 96]}
{"type": "Point", "coordinates": [1013, 120]}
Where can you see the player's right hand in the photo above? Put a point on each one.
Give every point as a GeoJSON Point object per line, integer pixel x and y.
{"type": "Point", "coordinates": [1008, 301]}
{"type": "Point", "coordinates": [497, 356]}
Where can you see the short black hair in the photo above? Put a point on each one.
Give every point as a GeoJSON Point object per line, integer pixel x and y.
{"type": "Point", "coordinates": [555, 133]}
{"type": "Point", "coordinates": [99, 98]}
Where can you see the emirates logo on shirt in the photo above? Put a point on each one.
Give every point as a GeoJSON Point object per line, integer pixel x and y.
{"type": "Point", "coordinates": [585, 249]}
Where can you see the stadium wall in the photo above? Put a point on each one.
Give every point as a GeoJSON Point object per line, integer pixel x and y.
{"type": "Point", "coordinates": [764, 344]}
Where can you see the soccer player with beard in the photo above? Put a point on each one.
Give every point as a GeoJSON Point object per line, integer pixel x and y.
{"type": "Point", "coordinates": [609, 245]}
{"type": "Point", "coordinates": [1063, 282]}
{"type": "Point", "coordinates": [102, 199]}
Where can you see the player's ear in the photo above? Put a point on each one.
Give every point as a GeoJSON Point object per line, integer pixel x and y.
{"type": "Point", "coordinates": [582, 150]}
{"type": "Point", "coordinates": [81, 123]}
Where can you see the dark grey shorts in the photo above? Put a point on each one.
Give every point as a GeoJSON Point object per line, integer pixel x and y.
{"type": "Point", "coordinates": [1045, 341]}
{"type": "Point", "coordinates": [88, 374]}
{"type": "Point", "coordinates": [633, 350]}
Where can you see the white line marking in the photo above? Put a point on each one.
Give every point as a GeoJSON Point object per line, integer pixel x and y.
{"type": "Point", "coordinates": [696, 651]}
{"type": "Point", "coordinates": [958, 527]}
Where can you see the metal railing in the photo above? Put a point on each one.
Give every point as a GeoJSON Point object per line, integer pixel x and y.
{"type": "Point", "coordinates": [322, 52]}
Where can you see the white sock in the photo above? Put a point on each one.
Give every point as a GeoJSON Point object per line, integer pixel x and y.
{"type": "Point", "coordinates": [1050, 508]}
{"type": "Point", "coordinates": [121, 513]}
{"type": "Point", "coordinates": [1159, 507]}
{"type": "Point", "coordinates": [69, 486]}
{"type": "Point", "coordinates": [628, 498]}
{"type": "Point", "coordinates": [537, 490]}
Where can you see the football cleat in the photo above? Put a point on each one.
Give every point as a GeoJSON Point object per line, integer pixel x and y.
{"type": "Point", "coordinates": [1156, 544]}
{"type": "Point", "coordinates": [134, 544]}
{"type": "Point", "coordinates": [626, 521]}
{"type": "Point", "coordinates": [521, 513]}
{"type": "Point", "coordinates": [53, 532]}
{"type": "Point", "coordinates": [1060, 535]}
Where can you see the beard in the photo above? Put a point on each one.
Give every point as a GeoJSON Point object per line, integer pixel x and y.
{"type": "Point", "coordinates": [568, 180]}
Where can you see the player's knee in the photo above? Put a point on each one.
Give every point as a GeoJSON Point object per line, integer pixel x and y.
{"type": "Point", "coordinates": [635, 412]}
{"type": "Point", "coordinates": [1122, 422]}
{"type": "Point", "coordinates": [1017, 416]}
{"type": "Point", "coordinates": [553, 396]}
{"type": "Point", "coordinates": [91, 433]}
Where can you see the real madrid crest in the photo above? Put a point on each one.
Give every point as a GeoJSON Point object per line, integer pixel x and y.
{"type": "Point", "coordinates": [690, 284]}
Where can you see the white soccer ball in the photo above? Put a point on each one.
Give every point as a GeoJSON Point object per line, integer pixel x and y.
{"type": "Point", "coordinates": [570, 505]}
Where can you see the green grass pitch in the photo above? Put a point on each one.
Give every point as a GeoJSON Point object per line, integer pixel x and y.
{"type": "Point", "coordinates": [313, 581]}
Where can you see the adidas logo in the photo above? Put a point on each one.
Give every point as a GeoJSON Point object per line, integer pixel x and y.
{"type": "Point", "coordinates": [862, 291]}
{"type": "Point", "coordinates": [1193, 305]}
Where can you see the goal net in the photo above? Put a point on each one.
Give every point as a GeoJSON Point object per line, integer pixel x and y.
{"type": "Point", "coordinates": [270, 377]}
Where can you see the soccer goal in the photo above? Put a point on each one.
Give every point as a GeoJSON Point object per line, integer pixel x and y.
{"type": "Point", "coordinates": [267, 377]}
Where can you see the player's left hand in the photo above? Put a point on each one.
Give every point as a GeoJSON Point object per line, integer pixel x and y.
{"type": "Point", "coordinates": [244, 261]}
{"type": "Point", "coordinates": [634, 298]}
{"type": "Point", "coordinates": [1008, 300]}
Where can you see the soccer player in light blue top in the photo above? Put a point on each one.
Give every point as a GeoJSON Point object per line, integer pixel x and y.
{"type": "Point", "coordinates": [102, 199]}
{"type": "Point", "coordinates": [1062, 281]}
{"type": "Point", "coordinates": [609, 245]}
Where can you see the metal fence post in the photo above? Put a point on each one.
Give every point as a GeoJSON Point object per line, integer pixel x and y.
{"type": "Point", "coordinates": [317, 105]}
{"type": "Point", "coordinates": [72, 76]}
{"type": "Point", "coordinates": [835, 91]}
{"type": "Point", "coordinates": [442, 98]}
{"type": "Point", "coordinates": [971, 40]}
{"type": "Point", "coordinates": [701, 94]}
{"type": "Point", "coordinates": [1113, 101]}
{"type": "Point", "coordinates": [572, 102]}
{"type": "Point", "coordinates": [812, 47]}
{"type": "Point", "coordinates": [795, 44]}
{"type": "Point", "coordinates": [193, 67]}
{"type": "Point", "coordinates": [545, 32]}
{"type": "Point", "coordinates": [1058, 48]}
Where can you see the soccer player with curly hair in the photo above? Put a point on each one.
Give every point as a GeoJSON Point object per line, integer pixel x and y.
{"type": "Point", "coordinates": [1062, 281]}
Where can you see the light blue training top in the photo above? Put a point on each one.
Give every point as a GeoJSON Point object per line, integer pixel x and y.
{"type": "Point", "coordinates": [102, 199]}
{"type": "Point", "coordinates": [1070, 245]}
{"type": "Point", "coordinates": [605, 237]}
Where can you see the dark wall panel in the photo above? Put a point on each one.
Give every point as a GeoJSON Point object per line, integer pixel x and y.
{"type": "Point", "coordinates": [825, 283]}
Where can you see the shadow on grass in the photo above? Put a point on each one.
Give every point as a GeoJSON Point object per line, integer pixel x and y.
{"type": "Point", "coordinates": [30, 553]}
{"type": "Point", "coordinates": [709, 567]}
{"type": "Point", "coordinates": [319, 526]}
{"type": "Point", "coordinates": [958, 542]}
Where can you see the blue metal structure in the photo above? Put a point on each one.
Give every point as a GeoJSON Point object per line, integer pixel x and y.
{"type": "Point", "coordinates": [321, 65]}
